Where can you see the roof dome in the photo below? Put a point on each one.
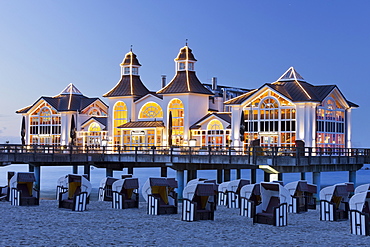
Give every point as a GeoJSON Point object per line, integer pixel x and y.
{"type": "Point", "coordinates": [185, 54]}
{"type": "Point", "coordinates": [130, 59]}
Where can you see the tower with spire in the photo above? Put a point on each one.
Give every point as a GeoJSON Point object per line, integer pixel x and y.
{"type": "Point", "coordinates": [123, 95]}
{"type": "Point", "coordinates": [186, 88]}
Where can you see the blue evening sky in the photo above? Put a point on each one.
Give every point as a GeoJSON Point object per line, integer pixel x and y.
{"type": "Point", "coordinates": [45, 45]}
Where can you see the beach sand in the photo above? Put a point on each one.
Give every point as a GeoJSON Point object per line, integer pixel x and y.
{"type": "Point", "coordinates": [100, 225]}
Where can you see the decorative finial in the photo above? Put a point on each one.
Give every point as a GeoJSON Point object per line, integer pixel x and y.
{"type": "Point", "coordinates": [186, 43]}
{"type": "Point", "coordinates": [131, 48]}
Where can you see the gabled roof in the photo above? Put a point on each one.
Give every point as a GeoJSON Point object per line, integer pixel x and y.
{"type": "Point", "coordinates": [101, 120]}
{"type": "Point", "coordinates": [143, 124]}
{"type": "Point", "coordinates": [185, 82]}
{"type": "Point", "coordinates": [129, 85]}
{"type": "Point", "coordinates": [226, 116]}
{"type": "Point", "coordinates": [70, 99]}
{"type": "Point", "coordinates": [292, 85]}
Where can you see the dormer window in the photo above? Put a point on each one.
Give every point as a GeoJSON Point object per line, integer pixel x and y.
{"type": "Point", "coordinates": [182, 66]}
{"type": "Point", "coordinates": [126, 70]}
{"type": "Point", "coordinates": [135, 70]}
{"type": "Point", "coordinates": [190, 66]}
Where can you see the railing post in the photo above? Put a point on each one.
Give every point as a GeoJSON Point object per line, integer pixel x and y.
{"type": "Point", "coordinates": [209, 153]}
{"type": "Point", "coordinates": [190, 155]}
{"type": "Point", "coordinates": [136, 147]}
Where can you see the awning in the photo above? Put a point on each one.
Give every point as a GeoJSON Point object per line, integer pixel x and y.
{"type": "Point", "coordinates": [142, 124]}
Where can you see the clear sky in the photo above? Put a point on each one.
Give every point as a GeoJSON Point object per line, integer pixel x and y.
{"type": "Point", "coordinates": [45, 45]}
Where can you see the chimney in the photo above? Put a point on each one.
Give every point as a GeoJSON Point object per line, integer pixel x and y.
{"type": "Point", "coordinates": [163, 81]}
{"type": "Point", "coordinates": [214, 83]}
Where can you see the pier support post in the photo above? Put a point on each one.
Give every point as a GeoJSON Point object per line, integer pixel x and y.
{"type": "Point", "coordinates": [31, 168]}
{"type": "Point", "coordinates": [75, 169]}
{"type": "Point", "coordinates": [180, 183]}
{"type": "Point", "coordinates": [108, 172]}
{"type": "Point", "coordinates": [219, 176]}
{"type": "Point", "coordinates": [37, 171]}
{"type": "Point", "coordinates": [266, 177]}
{"type": "Point", "coordinates": [303, 176]}
{"type": "Point", "coordinates": [238, 173]}
{"type": "Point", "coordinates": [226, 175]}
{"type": "Point", "coordinates": [164, 171]}
{"type": "Point", "coordinates": [352, 177]}
{"type": "Point", "coordinates": [130, 170]}
{"type": "Point", "coordinates": [87, 171]}
{"type": "Point", "coordinates": [316, 180]}
{"type": "Point", "coordinates": [253, 176]}
{"type": "Point", "coordinates": [280, 177]}
{"type": "Point", "coordinates": [192, 174]}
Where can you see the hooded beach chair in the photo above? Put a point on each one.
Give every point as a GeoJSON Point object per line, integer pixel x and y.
{"type": "Point", "coordinates": [301, 196]}
{"type": "Point", "coordinates": [362, 188]}
{"type": "Point", "coordinates": [105, 189]}
{"type": "Point", "coordinates": [233, 192]}
{"type": "Point", "coordinates": [214, 199]}
{"type": "Point", "coordinates": [359, 213]}
{"type": "Point", "coordinates": [160, 195]}
{"type": "Point", "coordinates": [125, 193]}
{"type": "Point", "coordinates": [274, 207]}
{"type": "Point", "coordinates": [250, 198]}
{"type": "Point", "coordinates": [62, 186]}
{"type": "Point", "coordinates": [334, 202]}
{"type": "Point", "coordinates": [77, 193]}
{"type": "Point", "coordinates": [222, 194]}
{"type": "Point", "coordinates": [5, 190]}
{"type": "Point", "coordinates": [198, 201]}
{"type": "Point", "coordinates": [22, 190]}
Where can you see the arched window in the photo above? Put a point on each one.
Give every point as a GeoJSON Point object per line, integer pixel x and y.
{"type": "Point", "coordinates": [151, 110]}
{"type": "Point", "coordinates": [94, 112]}
{"type": "Point", "coordinates": [45, 125]}
{"type": "Point", "coordinates": [176, 107]}
{"type": "Point", "coordinates": [120, 117]}
{"type": "Point", "coordinates": [94, 127]}
{"type": "Point", "coordinates": [215, 133]}
{"type": "Point", "coordinates": [215, 125]}
{"type": "Point", "coordinates": [330, 120]}
{"type": "Point", "coordinates": [270, 118]}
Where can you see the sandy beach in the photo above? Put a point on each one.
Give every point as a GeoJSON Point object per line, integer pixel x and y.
{"type": "Point", "coordinates": [100, 225]}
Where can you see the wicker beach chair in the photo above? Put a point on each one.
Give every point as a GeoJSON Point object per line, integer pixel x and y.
{"type": "Point", "coordinates": [125, 193]}
{"type": "Point", "coordinates": [250, 198]}
{"type": "Point", "coordinates": [198, 202]}
{"type": "Point", "coordinates": [301, 196]}
{"type": "Point", "coordinates": [222, 194]}
{"type": "Point", "coordinates": [233, 192]}
{"type": "Point", "coordinates": [76, 196]}
{"type": "Point", "coordinates": [334, 202]}
{"type": "Point", "coordinates": [160, 195]}
{"type": "Point", "coordinates": [105, 192]}
{"type": "Point", "coordinates": [22, 190]}
{"type": "Point", "coordinates": [274, 208]}
{"type": "Point", "coordinates": [359, 213]}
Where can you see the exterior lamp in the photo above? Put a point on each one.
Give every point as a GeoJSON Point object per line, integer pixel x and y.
{"type": "Point", "coordinates": [192, 142]}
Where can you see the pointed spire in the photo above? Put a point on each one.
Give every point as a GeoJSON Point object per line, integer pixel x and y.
{"type": "Point", "coordinates": [290, 75]}
{"type": "Point", "coordinates": [71, 89]}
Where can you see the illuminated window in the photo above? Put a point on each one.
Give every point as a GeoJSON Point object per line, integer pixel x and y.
{"type": "Point", "coordinates": [45, 126]}
{"type": "Point", "coordinates": [330, 127]}
{"type": "Point", "coordinates": [94, 112]}
{"type": "Point", "coordinates": [120, 117]}
{"type": "Point", "coordinates": [176, 108]}
{"type": "Point", "coordinates": [215, 133]}
{"type": "Point", "coordinates": [272, 119]}
{"type": "Point", "coordinates": [151, 110]}
{"type": "Point", "coordinates": [126, 70]}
